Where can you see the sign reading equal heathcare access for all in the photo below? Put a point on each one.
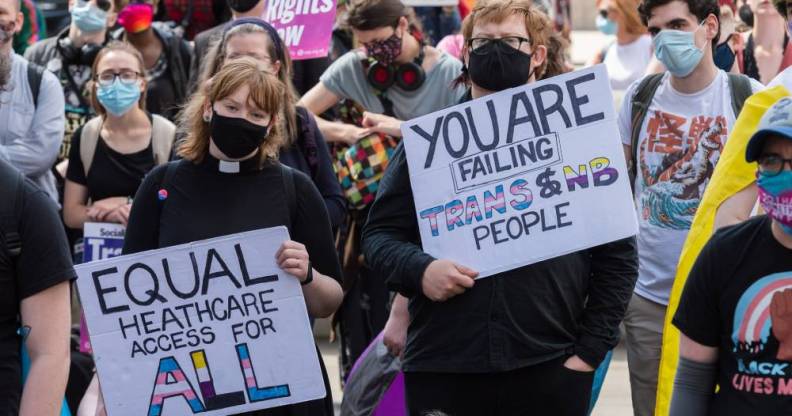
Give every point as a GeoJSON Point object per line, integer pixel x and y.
{"type": "Point", "coordinates": [213, 327]}
{"type": "Point", "coordinates": [304, 25]}
{"type": "Point", "coordinates": [521, 176]}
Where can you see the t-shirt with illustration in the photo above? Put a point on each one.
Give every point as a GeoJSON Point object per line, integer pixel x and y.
{"type": "Point", "coordinates": [679, 144]}
{"type": "Point", "coordinates": [74, 80]}
{"type": "Point", "coordinates": [738, 298]}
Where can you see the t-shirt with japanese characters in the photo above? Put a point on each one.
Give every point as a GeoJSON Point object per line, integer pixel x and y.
{"type": "Point", "coordinates": [738, 298]}
{"type": "Point", "coordinates": [680, 142]}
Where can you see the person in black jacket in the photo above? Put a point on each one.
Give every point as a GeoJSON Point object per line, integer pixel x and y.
{"type": "Point", "coordinates": [305, 148]}
{"type": "Point", "coordinates": [230, 181]}
{"type": "Point", "coordinates": [167, 56]}
{"type": "Point", "coordinates": [524, 341]}
{"type": "Point", "coordinates": [305, 73]}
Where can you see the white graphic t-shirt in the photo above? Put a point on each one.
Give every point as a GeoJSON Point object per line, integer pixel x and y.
{"type": "Point", "coordinates": [680, 141]}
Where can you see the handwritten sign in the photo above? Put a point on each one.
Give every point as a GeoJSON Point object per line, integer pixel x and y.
{"type": "Point", "coordinates": [213, 327]}
{"type": "Point", "coordinates": [304, 25]}
{"type": "Point", "coordinates": [521, 176]}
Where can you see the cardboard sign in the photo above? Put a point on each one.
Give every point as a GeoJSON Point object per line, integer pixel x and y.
{"type": "Point", "coordinates": [304, 25]}
{"type": "Point", "coordinates": [213, 327]}
{"type": "Point", "coordinates": [100, 241]}
{"type": "Point", "coordinates": [521, 176]}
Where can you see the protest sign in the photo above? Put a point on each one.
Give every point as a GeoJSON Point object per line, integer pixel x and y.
{"type": "Point", "coordinates": [213, 327]}
{"type": "Point", "coordinates": [521, 176]}
{"type": "Point", "coordinates": [100, 241]}
{"type": "Point", "coordinates": [304, 25]}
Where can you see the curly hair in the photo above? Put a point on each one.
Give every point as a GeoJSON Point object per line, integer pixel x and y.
{"type": "Point", "coordinates": [699, 8]}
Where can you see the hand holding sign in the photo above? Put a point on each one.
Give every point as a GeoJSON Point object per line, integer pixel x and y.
{"type": "Point", "coordinates": [293, 259]}
{"type": "Point", "coordinates": [444, 279]}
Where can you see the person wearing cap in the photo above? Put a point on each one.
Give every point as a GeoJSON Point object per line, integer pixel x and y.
{"type": "Point", "coordinates": [735, 314]}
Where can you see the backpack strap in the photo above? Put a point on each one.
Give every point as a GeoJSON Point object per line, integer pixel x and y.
{"type": "Point", "coordinates": [306, 140]}
{"type": "Point", "coordinates": [9, 230]}
{"type": "Point", "coordinates": [740, 87]}
{"type": "Point", "coordinates": [88, 140]}
{"type": "Point", "coordinates": [167, 178]}
{"type": "Point", "coordinates": [35, 73]}
{"type": "Point", "coordinates": [640, 107]}
{"type": "Point", "coordinates": [291, 193]}
{"type": "Point", "coordinates": [163, 133]}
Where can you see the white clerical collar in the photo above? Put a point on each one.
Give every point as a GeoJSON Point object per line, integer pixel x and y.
{"type": "Point", "coordinates": [228, 167]}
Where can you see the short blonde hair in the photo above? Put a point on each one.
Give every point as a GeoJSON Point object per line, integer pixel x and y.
{"type": "Point", "coordinates": [266, 93]}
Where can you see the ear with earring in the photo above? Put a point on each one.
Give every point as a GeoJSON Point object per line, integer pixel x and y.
{"type": "Point", "coordinates": [207, 118]}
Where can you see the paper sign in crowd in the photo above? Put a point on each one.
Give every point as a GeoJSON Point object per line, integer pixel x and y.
{"type": "Point", "coordinates": [304, 25]}
{"type": "Point", "coordinates": [213, 327]}
{"type": "Point", "coordinates": [100, 241]}
{"type": "Point", "coordinates": [523, 175]}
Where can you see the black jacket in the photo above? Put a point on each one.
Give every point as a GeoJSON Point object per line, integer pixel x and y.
{"type": "Point", "coordinates": [567, 305]}
{"type": "Point", "coordinates": [178, 54]}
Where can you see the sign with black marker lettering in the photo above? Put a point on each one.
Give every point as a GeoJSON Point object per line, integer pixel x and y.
{"type": "Point", "coordinates": [213, 327]}
{"type": "Point", "coordinates": [522, 175]}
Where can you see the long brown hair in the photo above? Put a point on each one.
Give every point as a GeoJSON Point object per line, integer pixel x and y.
{"type": "Point", "coordinates": [216, 57]}
{"type": "Point", "coordinates": [265, 93]}
{"type": "Point", "coordinates": [115, 46]}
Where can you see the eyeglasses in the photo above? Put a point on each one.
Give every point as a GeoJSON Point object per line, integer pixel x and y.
{"type": "Point", "coordinates": [772, 165]}
{"type": "Point", "coordinates": [480, 46]}
{"type": "Point", "coordinates": [107, 78]}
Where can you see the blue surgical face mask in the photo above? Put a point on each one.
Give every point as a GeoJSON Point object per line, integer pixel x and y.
{"type": "Point", "coordinates": [606, 26]}
{"type": "Point", "coordinates": [88, 17]}
{"type": "Point", "coordinates": [118, 97]}
{"type": "Point", "coordinates": [677, 50]}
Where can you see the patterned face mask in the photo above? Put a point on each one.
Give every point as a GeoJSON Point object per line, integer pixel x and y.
{"type": "Point", "coordinates": [385, 51]}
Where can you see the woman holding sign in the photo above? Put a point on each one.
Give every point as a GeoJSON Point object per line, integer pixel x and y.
{"type": "Point", "coordinates": [304, 148]}
{"type": "Point", "coordinates": [112, 153]}
{"type": "Point", "coordinates": [230, 181]}
{"type": "Point", "coordinates": [522, 341]}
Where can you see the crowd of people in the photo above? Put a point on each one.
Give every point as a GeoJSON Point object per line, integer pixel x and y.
{"type": "Point", "coordinates": [184, 125]}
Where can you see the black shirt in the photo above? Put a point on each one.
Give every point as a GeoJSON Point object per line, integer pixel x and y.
{"type": "Point", "coordinates": [44, 261]}
{"type": "Point", "coordinates": [310, 155]}
{"type": "Point", "coordinates": [204, 203]}
{"type": "Point", "coordinates": [112, 173]}
{"type": "Point", "coordinates": [732, 301]}
{"type": "Point", "coordinates": [571, 304]}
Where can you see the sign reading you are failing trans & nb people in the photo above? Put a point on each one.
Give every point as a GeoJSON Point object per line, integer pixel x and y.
{"type": "Point", "coordinates": [212, 328]}
{"type": "Point", "coordinates": [522, 175]}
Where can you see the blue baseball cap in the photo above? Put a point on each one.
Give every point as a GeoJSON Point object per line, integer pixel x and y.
{"type": "Point", "coordinates": [776, 121]}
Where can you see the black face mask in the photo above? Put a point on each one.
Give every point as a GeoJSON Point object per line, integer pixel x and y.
{"type": "Point", "coordinates": [746, 14]}
{"type": "Point", "coordinates": [724, 56]}
{"type": "Point", "coordinates": [236, 137]}
{"type": "Point", "coordinates": [497, 66]}
{"type": "Point", "coordinates": [242, 6]}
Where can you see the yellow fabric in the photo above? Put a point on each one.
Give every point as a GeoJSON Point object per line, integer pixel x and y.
{"type": "Point", "coordinates": [732, 174]}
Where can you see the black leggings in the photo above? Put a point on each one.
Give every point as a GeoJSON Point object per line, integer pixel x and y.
{"type": "Point", "coordinates": [543, 389]}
